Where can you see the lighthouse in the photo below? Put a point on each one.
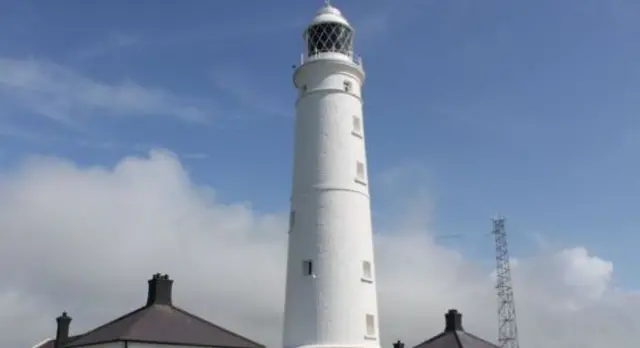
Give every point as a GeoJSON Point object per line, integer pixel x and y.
{"type": "Point", "coordinates": [331, 298]}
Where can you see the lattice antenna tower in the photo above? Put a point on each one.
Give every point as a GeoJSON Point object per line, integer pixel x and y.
{"type": "Point", "coordinates": [507, 327]}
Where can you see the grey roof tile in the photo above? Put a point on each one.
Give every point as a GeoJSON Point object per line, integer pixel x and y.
{"type": "Point", "coordinates": [454, 336]}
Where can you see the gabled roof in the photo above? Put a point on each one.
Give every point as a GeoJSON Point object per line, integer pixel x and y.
{"type": "Point", "coordinates": [160, 322]}
{"type": "Point", "coordinates": [456, 339]}
{"type": "Point", "coordinates": [50, 343]}
{"type": "Point", "coordinates": [454, 336]}
{"type": "Point", "coordinates": [166, 324]}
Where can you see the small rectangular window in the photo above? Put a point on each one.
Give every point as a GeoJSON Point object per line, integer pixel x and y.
{"type": "Point", "coordinates": [292, 220]}
{"type": "Point", "coordinates": [360, 174]}
{"type": "Point", "coordinates": [307, 267]}
{"type": "Point", "coordinates": [371, 325]}
{"type": "Point", "coordinates": [367, 272]}
{"type": "Point", "coordinates": [357, 125]}
{"type": "Point", "coordinates": [347, 86]}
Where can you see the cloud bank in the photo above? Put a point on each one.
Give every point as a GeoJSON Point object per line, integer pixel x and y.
{"type": "Point", "coordinates": [86, 239]}
{"type": "Point", "coordinates": [64, 95]}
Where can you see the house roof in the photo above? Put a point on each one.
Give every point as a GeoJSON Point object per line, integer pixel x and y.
{"type": "Point", "coordinates": [51, 343]}
{"type": "Point", "coordinates": [454, 336]}
{"type": "Point", "coordinates": [160, 322]}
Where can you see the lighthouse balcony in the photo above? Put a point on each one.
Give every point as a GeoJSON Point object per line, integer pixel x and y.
{"type": "Point", "coordinates": [331, 55]}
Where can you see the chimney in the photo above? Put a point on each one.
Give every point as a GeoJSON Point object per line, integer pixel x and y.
{"type": "Point", "coordinates": [159, 290]}
{"type": "Point", "coordinates": [453, 321]}
{"type": "Point", "coordinates": [62, 332]}
{"type": "Point", "coordinates": [398, 344]}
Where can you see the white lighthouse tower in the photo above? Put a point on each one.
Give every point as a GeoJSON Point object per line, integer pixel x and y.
{"type": "Point", "coordinates": [331, 296]}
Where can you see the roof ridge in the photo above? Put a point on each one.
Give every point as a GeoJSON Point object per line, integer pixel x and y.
{"type": "Point", "coordinates": [216, 326]}
{"type": "Point", "coordinates": [109, 323]}
{"type": "Point", "coordinates": [42, 343]}
{"type": "Point", "coordinates": [432, 339]}
{"type": "Point", "coordinates": [127, 332]}
{"type": "Point", "coordinates": [480, 339]}
{"type": "Point", "coordinates": [456, 335]}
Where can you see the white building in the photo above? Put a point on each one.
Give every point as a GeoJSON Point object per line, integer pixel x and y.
{"type": "Point", "coordinates": [331, 296]}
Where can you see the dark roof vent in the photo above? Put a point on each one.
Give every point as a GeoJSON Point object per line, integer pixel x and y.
{"type": "Point", "coordinates": [398, 344]}
{"type": "Point", "coordinates": [159, 290]}
{"type": "Point", "coordinates": [62, 332]}
{"type": "Point", "coordinates": [453, 321]}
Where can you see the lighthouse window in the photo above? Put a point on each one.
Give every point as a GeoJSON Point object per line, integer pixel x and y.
{"type": "Point", "coordinates": [292, 220]}
{"type": "Point", "coordinates": [347, 86]}
{"type": "Point", "coordinates": [329, 37]}
{"type": "Point", "coordinates": [307, 267]}
{"type": "Point", "coordinates": [357, 125]}
{"type": "Point", "coordinates": [367, 272]}
{"type": "Point", "coordinates": [371, 325]}
{"type": "Point", "coordinates": [360, 174]}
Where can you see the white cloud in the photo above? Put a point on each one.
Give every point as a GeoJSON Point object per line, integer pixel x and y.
{"type": "Point", "coordinates": [85, 240]}
{"type": "Point", "coordinates": [62, 94]}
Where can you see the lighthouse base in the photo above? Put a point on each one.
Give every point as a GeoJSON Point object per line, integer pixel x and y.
{"type": "Point", "coordinates": [363, 345]}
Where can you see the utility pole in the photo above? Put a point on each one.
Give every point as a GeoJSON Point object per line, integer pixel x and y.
{"type": "Point", "coordinates": [507, 327]}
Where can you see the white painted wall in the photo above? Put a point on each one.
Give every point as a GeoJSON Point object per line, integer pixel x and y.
{"type": "Point", "coordinates": [332, 213]}
{"type": "Point", "coordinates": [136, 345]}
{"type": "Point", "coordinates": [151, 345]}
{"type": "Point", "coordinates": [106, 345]}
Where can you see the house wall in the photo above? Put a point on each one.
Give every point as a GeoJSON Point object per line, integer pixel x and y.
{"type": "Point", "coordinates": [106, 345]}
{"type": "Point", "coordinates": [154, 345]}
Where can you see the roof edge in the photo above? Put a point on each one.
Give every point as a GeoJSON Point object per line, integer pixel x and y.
{"type": "Point", "coordinates": [70, 344]}
{"type": "Point", "coordinates": [181, 344]}
{"type": "Point", "coordinates": [42, 343]}
{"type": "Point", "coordinates": [481, 339]}
{"type": "Point", "coordinates": [218, 327]}
{"type": "Point", "coordinates": [431, 339]}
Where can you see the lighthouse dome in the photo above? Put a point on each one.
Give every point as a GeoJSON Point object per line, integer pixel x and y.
{"type": "Point", "coordinates": [329, 31]}
{"type": "Point", "coordinates": [328, 13]}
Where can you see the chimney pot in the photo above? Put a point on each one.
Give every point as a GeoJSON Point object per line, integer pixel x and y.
{"type": "Point", "coordinates": [159, 290]}
{"type": "Point", "coordinates": [453, 321]}
{"type": "Point", "coordinates": [398, 344]}
{"type": "Point", "coordinates": [62, 331]}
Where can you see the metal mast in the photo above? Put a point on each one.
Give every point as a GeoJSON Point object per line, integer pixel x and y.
{"type": "Point", "coordinates": [507, 327]}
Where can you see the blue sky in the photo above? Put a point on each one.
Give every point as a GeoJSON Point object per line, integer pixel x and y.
{"type": "Point", "coordinates": [527, 108]}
